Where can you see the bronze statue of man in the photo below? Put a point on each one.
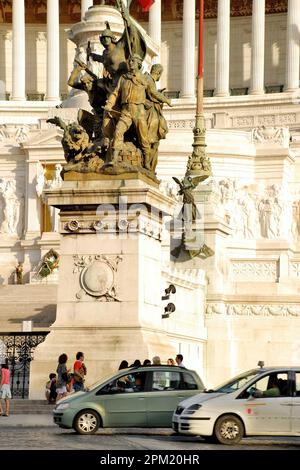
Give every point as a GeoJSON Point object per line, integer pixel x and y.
{"type": "Point", "coordinates": [131, 93]}
{"type": "Point", "coordinates": [97, 94]}
{"type": "Point", "coordinates": [116, 52]}
{"type": "Point", "coordinates": [157, 125]}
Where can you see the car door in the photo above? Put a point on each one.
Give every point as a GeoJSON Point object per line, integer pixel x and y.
{"type": "Point", "coordinates": [265, 414]}
{"type": "Point", "coordinates": [124, 401]}
{"type": "Point", "coordinates": [166, 389]}
{"type": "Point", "coordinates": [296, 404]}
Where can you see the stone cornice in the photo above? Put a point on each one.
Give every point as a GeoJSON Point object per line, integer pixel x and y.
{"type": "Point", "coordinates": [185, 277]}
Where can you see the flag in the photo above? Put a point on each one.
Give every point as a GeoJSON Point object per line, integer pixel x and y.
{"type": "Point", "coordinates": [146, 4]}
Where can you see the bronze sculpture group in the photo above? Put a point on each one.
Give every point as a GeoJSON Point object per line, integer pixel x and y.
{"type": "Point", "coordinates": [123, 131]}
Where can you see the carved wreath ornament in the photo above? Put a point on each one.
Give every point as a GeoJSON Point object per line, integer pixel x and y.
{"type": "Point", "coordinates": [97, 276]}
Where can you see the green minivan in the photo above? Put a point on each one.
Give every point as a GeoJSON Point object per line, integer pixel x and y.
{"type": "Point", "coordinates": [134, 397]}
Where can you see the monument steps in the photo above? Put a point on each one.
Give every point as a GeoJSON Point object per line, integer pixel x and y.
{"type": "Point", "coordinates": [27, 302]}
{"type": "Point", "coordinates": [25, 406]}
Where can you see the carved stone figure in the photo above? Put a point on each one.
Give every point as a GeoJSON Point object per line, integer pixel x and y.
{"type": "Point", "coordinates": [266, 219]}
{"type": "Point", "coordinates": [40, 180]}
{"type": "Point", "coordinates": [11, 208]}
{"type": "Point", "coordinates": [296, 220]}
{"type": "Point", "coordinates": [19, 274]}
{"type": "Point", "coordinates": [57, 179]}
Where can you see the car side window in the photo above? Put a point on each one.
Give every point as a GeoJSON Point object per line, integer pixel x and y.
{"type": "Point", "coordinates": [188, 382]}
{"type": "Point", "coordinates": [297, 384]}
{"type": "Point", "coordinates": [129, 383]}
{"type": "Point", "coordinates": [270, 386]}
{"type": "Point", "coordinates": [165, 380]}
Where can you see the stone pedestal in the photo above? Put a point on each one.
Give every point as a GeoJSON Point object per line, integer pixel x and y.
{"type": "Point", "coordinates": [110, 288]}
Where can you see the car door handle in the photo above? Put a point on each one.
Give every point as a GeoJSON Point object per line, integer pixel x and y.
{"type": "Point", "coordinates": [287, 404]}
{"type": "Point", "coordinates": [181, 396]}
{"type": "Point", "coordinates": [141, 398]}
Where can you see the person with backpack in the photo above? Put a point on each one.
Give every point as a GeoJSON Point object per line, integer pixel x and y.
{"type": "Point", "coordinates": [79, 372]}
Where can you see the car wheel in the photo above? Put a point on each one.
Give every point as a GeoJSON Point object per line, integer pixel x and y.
{"type": "Point", "coordinates": [87, 422]}
{"type": "Point", "coordinates": [229, 429]}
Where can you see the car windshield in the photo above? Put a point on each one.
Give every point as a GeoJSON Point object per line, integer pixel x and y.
{"type": "Point", "coordinates": [237, 382]}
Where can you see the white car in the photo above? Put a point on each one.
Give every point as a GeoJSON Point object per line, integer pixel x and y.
{"type": "Point", "coordinates": [263, 402]}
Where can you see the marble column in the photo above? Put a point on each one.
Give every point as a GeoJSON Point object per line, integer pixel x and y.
{"type": "Point", "coordinates": [189, 43]}
{"type": "Point", "coordinates": [223, 41]}
{"type": "Point", "coordinates": [18, 50]}
{"type": "Point", "coordinates": [85, 5]}
{"type": "Point", "coordinates": [53, 50]}
{"type": "Point", "coordinates": [155, 25]}
{"type": "Point", "coordinates": [292, 61]}
{"type": "Point", "coordinates": [258, 48]}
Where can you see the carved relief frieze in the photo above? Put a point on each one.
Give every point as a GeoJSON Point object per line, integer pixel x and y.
{"type": "Point", "coordinates": [181, 124]}
{"type": "Point", "coordinates": [271, 135]}
{"type": "Point", "coordinates": [253, 270]}
{"type": "Point", "coordinates": [97, 276]}
{"type": "Point", "coordinates": [285, 119]}
{"type": "Point", "coordinates": [187, 123]}
{"type": "Point", "coordinates": [256, 211]}
{"type": "Point", "coordinates": [295, 269]}
{"type": "Point", "coordinates": [242, 121]}
{"type": "Point", "coordinates": [252, 310]}
{"type": "Point", "coordinates": [268, 120]}
{"type": "Point", "coordinates": [272, 119]}
{"type": "Point", "coordinates": [15, 134]}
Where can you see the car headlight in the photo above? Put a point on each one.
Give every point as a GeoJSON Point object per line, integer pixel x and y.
{"type": "Point", "coordinates": [62, 406]}
{"type": "Point", "coordinates": [191, 409]}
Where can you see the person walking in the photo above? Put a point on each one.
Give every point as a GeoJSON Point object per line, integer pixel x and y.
{"type": "Point", "coordinates": [62, 377]}
{"type": "Point", "coordinates": [5, 393]}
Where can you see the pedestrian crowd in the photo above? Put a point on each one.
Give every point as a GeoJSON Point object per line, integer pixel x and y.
{"type": "Point", "coordinates": [66, 380]}
{"type": "Point", "coordinates": [155, 362]}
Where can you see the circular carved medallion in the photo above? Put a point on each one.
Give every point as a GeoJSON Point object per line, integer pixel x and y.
{"type": "Point", "coordinates": [97, 279]}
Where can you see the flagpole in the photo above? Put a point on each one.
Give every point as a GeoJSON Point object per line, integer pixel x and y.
{"type": "Point", "coordinates": [199, 166]}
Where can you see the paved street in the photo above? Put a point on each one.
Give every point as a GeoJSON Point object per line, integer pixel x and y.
{"type": "Point", "coordinates": [38, 433]}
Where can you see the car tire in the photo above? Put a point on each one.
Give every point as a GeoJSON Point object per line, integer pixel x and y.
{"type": "Point", "coordinates": [87, 422]}
{"type": "Point", "coordinates": [229, 430]}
